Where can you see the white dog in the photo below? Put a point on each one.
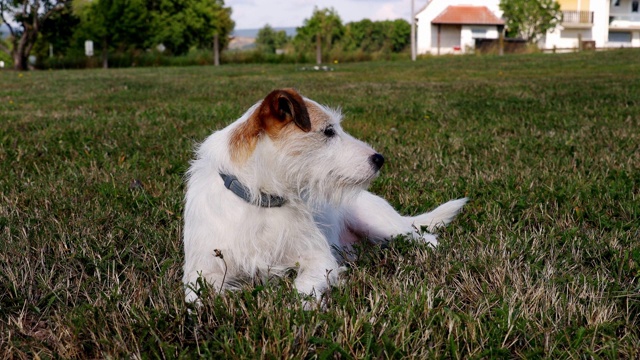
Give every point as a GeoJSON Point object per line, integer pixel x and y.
{"type": "Point", "coordinates": [284, 187]}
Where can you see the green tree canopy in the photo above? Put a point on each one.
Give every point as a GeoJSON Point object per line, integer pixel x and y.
{"type": "Point", "coordinates": [400, 31]}
{"type": "Point", "coordinates": [374, 36]}
{"type": "Point", "coordinates": [114, 24]}
{"type": "Point", "coordinates": [181, 24]}
{"type": "Point", "coordinates": [325, 23]}
{"type": "Point", "coordinates": [125, 25]}
{"type": "Point", "coordinates": [325, 29]}
{"type": "Point", "coordinates": [530, 19]}
{"type": "Point", "coordinates": [58, 31]}
{"type": "Point", "coordinates": [268, 39]}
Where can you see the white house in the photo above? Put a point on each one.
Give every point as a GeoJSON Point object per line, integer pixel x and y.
{"type": "Point", "coordinates": [451, 26]}
{"type": "Point", "coordinates": [605, 23]}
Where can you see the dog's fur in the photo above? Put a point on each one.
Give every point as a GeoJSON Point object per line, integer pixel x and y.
{"type": "Point", "coordinates": [294, 148]}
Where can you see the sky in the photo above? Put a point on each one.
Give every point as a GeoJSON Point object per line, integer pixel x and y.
{"type": "Point", "coordinates": [255, 14]}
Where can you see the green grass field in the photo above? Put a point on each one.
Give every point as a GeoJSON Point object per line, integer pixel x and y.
{"type": "Point", "coordinates": [543, 262]}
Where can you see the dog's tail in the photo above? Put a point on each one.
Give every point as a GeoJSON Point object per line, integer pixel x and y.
{"type": "Point", "coordinates": [440, 216]}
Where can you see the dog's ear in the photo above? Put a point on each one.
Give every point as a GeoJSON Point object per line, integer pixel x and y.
{"type": "Point", "coordinates": [278, 109]}
{"type": "Point", "coordinates": [285, 105]}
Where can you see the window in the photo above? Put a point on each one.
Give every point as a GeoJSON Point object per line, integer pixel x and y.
{"type": "Point", "coordinates": [634, 6]}
{"type": "Point", "coordinates": [619, 37]}
{"type": "Point", "coordinates": [616, 3]}
{"type": "Point", "coordinates": [479, 33]}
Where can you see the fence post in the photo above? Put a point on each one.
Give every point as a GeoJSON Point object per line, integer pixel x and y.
{"type": "Point", "coordinates": [580, 42]}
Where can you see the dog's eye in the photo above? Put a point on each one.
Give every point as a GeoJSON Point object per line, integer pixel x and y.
{"type": "Point", "coordinates": [329, 131]}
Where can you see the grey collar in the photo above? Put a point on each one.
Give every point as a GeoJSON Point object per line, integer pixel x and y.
{"type": "Point", "coordinates": [232, 183]}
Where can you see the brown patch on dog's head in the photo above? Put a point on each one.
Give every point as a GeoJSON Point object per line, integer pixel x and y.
{"type": "Point", "coordinates": [279, 109]}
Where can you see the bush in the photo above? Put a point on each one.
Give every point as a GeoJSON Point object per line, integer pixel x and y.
{"type": "Point", "coordinates": [205, 57]}
{"type": "Point", "coordinates": [127, 59]}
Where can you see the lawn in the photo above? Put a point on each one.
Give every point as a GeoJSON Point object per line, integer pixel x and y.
{"type": "Point", "coordinates": [543, 262]}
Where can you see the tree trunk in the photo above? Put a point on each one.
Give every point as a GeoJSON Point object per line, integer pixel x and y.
{"type": "Point", "coordinates": [105, 54]}
{"type": "Point", "coordinates": [216, 50]}
{"type": "Point", "coordinates": [20, 61]}
{"type": "Point", "coordinates": [318, 50]}
{"type": "Point", "coordinates": [19, 54]}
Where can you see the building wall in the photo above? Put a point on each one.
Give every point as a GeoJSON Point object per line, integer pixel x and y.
{"type": "Point", "coordinates": [566, 35]}
{"type": "Point", "coordinates": [449, 39]}
{"type": "Point", "coordinates": [459, 39]}
{"type": "Point", "coordinates": [469, 33]}
{"type": "Point", "coordinates": [600, 30]}
{"type": "Point", "coordinates": [575, 5]}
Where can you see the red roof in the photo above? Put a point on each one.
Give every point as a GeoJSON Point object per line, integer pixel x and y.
{"type": "Point", "coordinates": [467, 15]}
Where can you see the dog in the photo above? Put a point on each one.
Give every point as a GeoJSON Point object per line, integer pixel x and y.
{"type": "Point", "coordinates": [282, 188]}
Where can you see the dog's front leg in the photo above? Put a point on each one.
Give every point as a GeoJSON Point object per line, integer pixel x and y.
{"type": "Point", "coordinates": [371, 216]}
{"type": "Point", "coordinates": [316, 275]}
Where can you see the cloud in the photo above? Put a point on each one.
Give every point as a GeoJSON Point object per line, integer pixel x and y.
{"type": "Point", "coordinates": [386, 12]}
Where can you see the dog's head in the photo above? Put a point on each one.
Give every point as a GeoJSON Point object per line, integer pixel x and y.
{"type": "Point", "coordinates": [301, 147]}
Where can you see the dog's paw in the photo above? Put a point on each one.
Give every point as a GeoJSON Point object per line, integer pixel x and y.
{"type": "Point", "coordinates": [440, 216]}
{"type": "Point", "coordinates": [429, 239]}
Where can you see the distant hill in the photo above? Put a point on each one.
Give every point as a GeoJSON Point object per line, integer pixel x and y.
{"type": "Point", "coordinates": [253, 33]}
{"type": "Point", "coordinates": [245, 39]}
{"type": "Point", "coordinates": [4, 31]}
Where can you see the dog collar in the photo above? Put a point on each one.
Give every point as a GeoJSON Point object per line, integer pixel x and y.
{"type": "Point", "coordinates": [232, 183]}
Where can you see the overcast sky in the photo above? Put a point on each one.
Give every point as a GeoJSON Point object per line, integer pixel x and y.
{"type": "Point", "coordinates": [254, 14]}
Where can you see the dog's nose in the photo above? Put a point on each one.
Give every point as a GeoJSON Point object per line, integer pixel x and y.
{"type": "Point", "coordinates": [377, 160]}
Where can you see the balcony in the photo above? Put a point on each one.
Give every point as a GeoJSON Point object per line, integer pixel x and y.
{"type": "Point", "coordinates": [577, 18]}
{"type": "Point", "coordinates": [624, 21]}
{"type": "Point", "coordinates": [624, 17]}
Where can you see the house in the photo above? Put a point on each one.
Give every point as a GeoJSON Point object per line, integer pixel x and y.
{"type": "Point", "coordinates": [451, 26]}
{"type": "Point", "coordinates": [605, 23]}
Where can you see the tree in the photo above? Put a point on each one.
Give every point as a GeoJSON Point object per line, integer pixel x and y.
{"type": "Point", "coordinates": [180, 24]}
{"type": "Point", "coordinates": [375, 36]}
{"type": "Point", "coordinates": [363, 35]}
{"type": "Point", "coordinates": [323, 28]}
{"type": "Point", "coordinates": [114, 24]}
{"type": "Point", "coordinates": [58, 32]}
{"type": "Point", "coordinates": [530, 19]}
{"type": "Point", "coordinates": [30, 16]}
{"type": "Point", "coordinates": [130, 25]}
{"type": "Point", "coordinates": [400, 34]}
{"type": "Point", "coordinates": [268, 39]}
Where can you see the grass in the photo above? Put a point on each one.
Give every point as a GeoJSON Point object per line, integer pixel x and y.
{"type": "Point", "coordinates": [543, 263]}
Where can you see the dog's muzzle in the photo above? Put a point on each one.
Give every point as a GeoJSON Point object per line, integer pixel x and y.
{"type": "Point", "coordinates": [377, 161]}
